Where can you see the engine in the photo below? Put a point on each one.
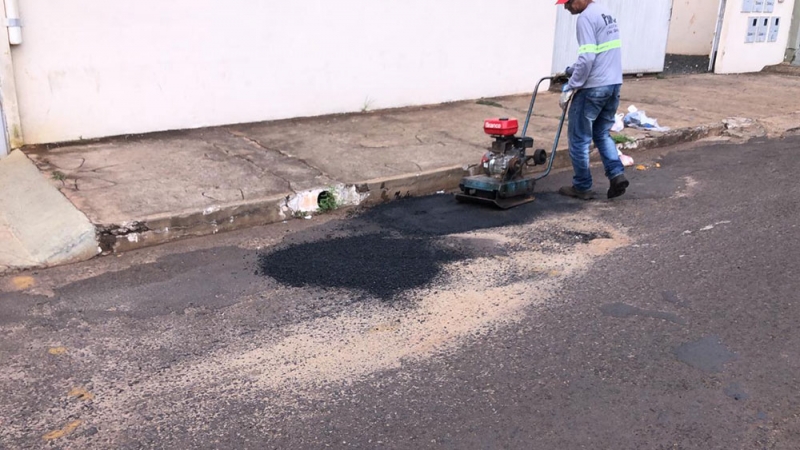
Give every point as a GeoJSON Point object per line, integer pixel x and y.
{"type": "Point", "coordinates": [501, 165]}
{"type": "Point", "coordinates": [507, 157]}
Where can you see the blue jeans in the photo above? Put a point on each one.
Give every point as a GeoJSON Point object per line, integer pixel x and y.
{"type": "Point", "coordinates": [591, 117]}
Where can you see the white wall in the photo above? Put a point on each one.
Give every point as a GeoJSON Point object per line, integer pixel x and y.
{"type": "Point", "coordinates": [91, 68]}
{"type": "Point", "coordinates": [691, 29]}
{"type": "Point", "coordinates": [735, 56]}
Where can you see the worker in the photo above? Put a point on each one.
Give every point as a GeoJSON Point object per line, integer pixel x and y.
{"type": "Point", "coordinates": [594, 85]}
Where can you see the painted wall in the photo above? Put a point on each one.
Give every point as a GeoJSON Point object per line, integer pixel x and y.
{"type": "Point", "coordinates": [735, 56]}
{"type": "Point", "coordinates": [91, 68]}
{"type": "Point", "coordinates": [691, 29]}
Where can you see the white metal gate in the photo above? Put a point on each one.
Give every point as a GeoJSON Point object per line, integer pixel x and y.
{"type": "Point", "coordinates": [644, 29]}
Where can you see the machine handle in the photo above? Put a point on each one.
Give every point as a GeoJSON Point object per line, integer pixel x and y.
{"type": "Point", "coordinates": [560, 123]}
{"type": "Point", "coordinates": [530, 107]}
{"type": "Point", "coordinates": [555, 142]}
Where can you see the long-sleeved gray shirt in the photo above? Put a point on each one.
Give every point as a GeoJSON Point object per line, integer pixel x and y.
{"type": "Point", "coordinates": [600, 50]}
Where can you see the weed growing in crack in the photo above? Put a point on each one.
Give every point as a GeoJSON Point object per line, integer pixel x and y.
{"type": "Point", "coordinates": [365, 108]}
{"type": "Point", "coordinates": [622, 139]}
{"type": "Point", "coordinates": [299, 214]}
{"type": "Point", "coordinates": [489, 103]}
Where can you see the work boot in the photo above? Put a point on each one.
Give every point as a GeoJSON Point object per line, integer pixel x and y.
{"type": "Point", "coordinates": [618, 185]}
{"type": "Point", "coordinates": [570, 191]}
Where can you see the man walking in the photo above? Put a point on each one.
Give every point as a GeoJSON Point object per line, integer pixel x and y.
{"type": "Point", "coordinates": [594, 87]}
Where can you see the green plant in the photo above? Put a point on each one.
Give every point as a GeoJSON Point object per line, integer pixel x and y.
{"type": "Point", "coordinates": [327, 201]}
{"type": "Point", "coordinates": [622, 139]}
{"type": "Point", "coordinates": [489, 103]}
{"type": "Point", "coordinates": [58, 175]}
{"type": "Point", "coordinates": [367, 104]}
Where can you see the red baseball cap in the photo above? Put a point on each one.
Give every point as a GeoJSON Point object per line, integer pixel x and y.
{"type": "Point", "coordinates": [561, 2]}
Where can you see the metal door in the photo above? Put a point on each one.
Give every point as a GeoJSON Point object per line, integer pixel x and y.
{"type": "Point", "coordinates": [644, 29]}
{"type": "Point", "coordinates": [712, 59]}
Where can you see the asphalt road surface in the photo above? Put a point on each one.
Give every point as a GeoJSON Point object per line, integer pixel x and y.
{"type": "Point", "coordinates": [665, 319]}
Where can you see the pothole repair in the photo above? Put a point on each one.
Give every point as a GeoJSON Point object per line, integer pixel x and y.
{"type": "Point", "coordinates": [379, 264]}
{"type": "Point", "coordinates": [467, 298]}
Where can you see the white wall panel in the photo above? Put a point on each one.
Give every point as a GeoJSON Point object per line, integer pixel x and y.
{"type": "Point", "coordinates": [644, 28]}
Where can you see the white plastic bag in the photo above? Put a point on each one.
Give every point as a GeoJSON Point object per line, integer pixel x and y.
{"type": "Point", "coordinates": [619, 125]}
{"type": "Point", "coordinates": [626, 160]}
{"type": "Point", "coordinates": [638, 119]}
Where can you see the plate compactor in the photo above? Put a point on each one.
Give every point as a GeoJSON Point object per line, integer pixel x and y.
{"type": "Point", "coordinates": [507, 179]}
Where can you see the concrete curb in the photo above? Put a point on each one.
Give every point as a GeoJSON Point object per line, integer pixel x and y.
{"type": "Point", "coordinates": [679, 136]}
{"type": "Point", "coordinates": [387, 189]}
{"type": "Point", "coordinates": [163, 228]}
{"type": "Point", "coordinates": [169, 227]}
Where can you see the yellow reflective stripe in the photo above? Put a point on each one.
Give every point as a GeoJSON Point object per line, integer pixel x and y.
{"type": "Point", "coordinates": [604, 47]}
{"type": "Point", "coordinates": [610, 45]}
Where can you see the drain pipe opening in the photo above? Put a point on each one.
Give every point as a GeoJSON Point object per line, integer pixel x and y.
{"type": "Point", "coordinates": [324, 198]}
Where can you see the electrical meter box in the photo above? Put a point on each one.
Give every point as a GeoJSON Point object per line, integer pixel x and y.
{"type": "Point", "coordinates": [752, 27]}
{"type": "Point", "coordinates": [763, 27]}
{"type": "Point", "coordinates": [774, 29]}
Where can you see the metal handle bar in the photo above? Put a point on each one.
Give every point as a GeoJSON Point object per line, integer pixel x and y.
{"type": "Point", "coordinates": [560, 125]}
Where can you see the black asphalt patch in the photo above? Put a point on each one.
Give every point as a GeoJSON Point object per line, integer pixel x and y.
{"type": "Point", "coordinates": [736, 392]}
{"type": "Point", "coordinates": [379, 264]}
{"type": "Point", "coordinates": [707, 354]}
{"type": "Point", "coordinates": [411, 254]}
{"type": "Point", "coordinates": [442, 214]}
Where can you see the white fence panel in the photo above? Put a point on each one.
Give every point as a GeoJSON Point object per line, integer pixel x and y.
{"type": "Point", "coordinates": [644, 29]}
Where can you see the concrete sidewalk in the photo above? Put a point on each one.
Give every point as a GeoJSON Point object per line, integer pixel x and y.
{"type": "Point", "coordinates": [145, 190]}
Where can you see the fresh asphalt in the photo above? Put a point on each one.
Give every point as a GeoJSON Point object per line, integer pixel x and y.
{"type": "Point", "coordinates": [683, 336]}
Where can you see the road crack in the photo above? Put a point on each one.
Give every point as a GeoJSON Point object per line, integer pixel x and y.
{"type": "Point", "coordinates": [261, 146]}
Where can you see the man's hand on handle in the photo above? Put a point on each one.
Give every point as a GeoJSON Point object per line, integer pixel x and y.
{"type": "Point", "coordinates": [566, 91]}
{"type": "Point", "coordinates": [566, 96]}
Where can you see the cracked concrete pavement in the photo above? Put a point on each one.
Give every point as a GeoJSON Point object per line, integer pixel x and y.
{"type": "Point", "coordinates": [173, 181]}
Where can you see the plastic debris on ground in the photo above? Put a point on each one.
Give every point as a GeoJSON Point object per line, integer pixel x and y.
{"type": "Point", "coordinates": [639, 120]}
{"type": "Point", "coordinates": [626, 160]}
{"type": "Point", "coordinates": [619, 125]}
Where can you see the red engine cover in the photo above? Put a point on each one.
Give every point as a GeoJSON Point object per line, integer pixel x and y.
{"type": "Point", "coordinates": [500, 126]}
